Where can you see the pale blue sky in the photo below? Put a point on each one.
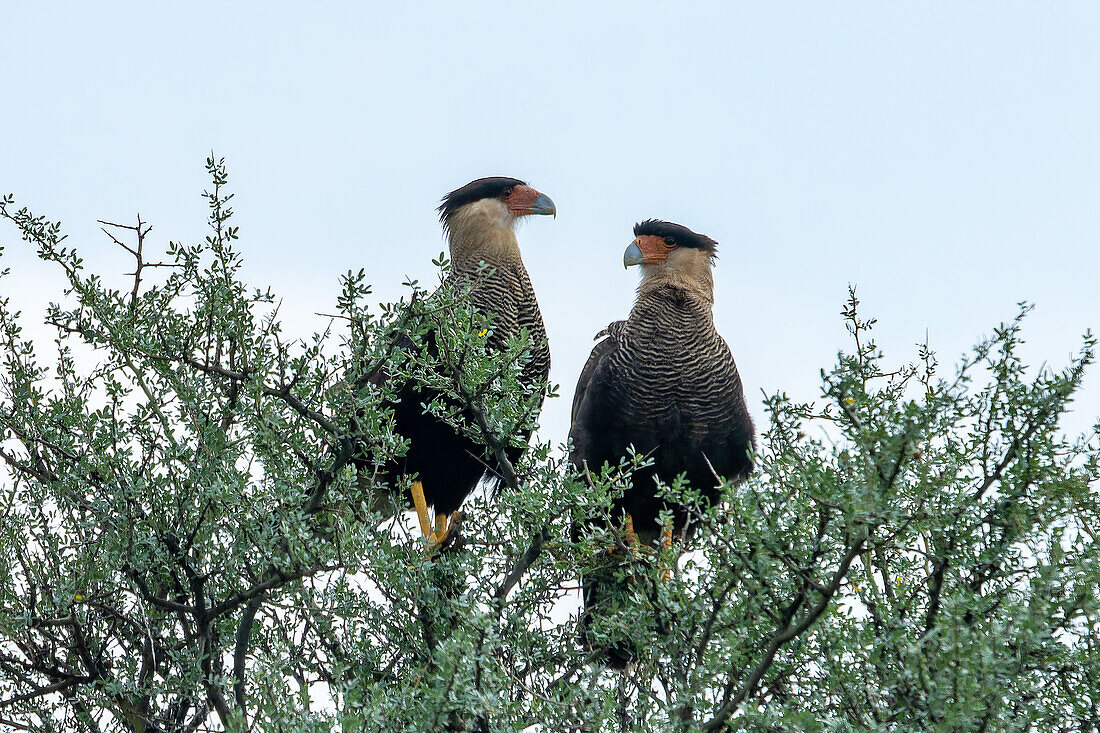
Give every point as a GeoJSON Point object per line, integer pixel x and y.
{"type": "Point", "coordinates": [943, 157]}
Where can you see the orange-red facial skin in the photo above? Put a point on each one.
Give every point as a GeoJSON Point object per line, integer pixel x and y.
{"type": "Point", "coordinates": [653, 248]}
{"type": "Point", "coordinates": [521, 200]}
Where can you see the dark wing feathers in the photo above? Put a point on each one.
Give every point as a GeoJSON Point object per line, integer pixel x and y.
{"type": "Point", "coordinates": [605, 346]}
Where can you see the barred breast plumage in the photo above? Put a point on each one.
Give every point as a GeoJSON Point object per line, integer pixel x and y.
{"type": "Point", "coordinates": [506, 293]}
{"type": "Point", "coordinates": [675, 361]}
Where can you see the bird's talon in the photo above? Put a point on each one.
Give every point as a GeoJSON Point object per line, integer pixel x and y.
{"type": "Point", "coordinates": [446, 532]}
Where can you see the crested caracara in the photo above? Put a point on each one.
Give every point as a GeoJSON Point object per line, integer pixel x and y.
{"type": "Point", "coordinates": [663, 384]}
{"type": "Point", "coordinates": [479, 220]}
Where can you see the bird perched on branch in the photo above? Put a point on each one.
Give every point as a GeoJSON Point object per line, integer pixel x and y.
{"type": "Point", "coordinates": [479, 220]}
{"type": "Point", "coordinates": [663, 383]}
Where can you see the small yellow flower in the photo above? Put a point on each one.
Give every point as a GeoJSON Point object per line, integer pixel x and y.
{"type": "Point", "coordinates": [482, 332]}
{"type": "Point", "coordinates": [849, 401]}
{"type": "Point", "coordinates": [78, 597]}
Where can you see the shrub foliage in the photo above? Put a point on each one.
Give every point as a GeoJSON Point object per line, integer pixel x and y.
{"type": "Point", "coordinates": [192, 537]}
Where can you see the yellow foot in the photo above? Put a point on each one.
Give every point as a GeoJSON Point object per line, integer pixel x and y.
{"type": "Point", "coordinates": [445, 531]}
{"type": "Point", "coordinates": [629, 538]}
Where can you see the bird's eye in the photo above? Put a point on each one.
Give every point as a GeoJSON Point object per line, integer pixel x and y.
{"type": "Point", "coordinates": [669, 242]}
{"type": "Point", "coordinates": [506, 193]}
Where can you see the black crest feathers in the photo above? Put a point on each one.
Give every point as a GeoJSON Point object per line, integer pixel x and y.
{"type": "Point", "coordinates": [681, 235]}
{"type": "Point", "coordinates": [482, 188]}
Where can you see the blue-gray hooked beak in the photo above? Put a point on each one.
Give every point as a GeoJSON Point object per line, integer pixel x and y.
{"type": "Point", "coordinates": [544, 205]}
{"type": "Point", "coordinates": [633, 255]}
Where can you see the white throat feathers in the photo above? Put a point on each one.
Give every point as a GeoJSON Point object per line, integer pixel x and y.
{"type": "Point", "coordinates": [483, 231]}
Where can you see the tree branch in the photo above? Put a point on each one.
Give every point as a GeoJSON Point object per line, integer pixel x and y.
{"type": "Point", "coordinates": [782, 636]}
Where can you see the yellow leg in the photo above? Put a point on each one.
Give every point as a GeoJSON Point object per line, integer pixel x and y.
{"type": "Point", "coordinates": [421, 505]}
{"type": "Point", "coordinates": [666, 543]}
{"type": "Point", "coordinates": [631, 538]}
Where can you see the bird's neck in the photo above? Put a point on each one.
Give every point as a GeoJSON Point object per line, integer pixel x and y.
{"type": "Point", "coordinates": [690, 281]}
{"type": "Point", "coordinates": [482, 234]}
